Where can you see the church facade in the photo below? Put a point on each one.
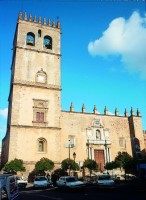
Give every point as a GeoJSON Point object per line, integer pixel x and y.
{"type": "Point", "coordinates": [37, 127]}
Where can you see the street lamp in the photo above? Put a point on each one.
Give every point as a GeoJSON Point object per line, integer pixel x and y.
{"type": "Point", "coordinates": [69, 157]}
{"type": "Point", "coordinates": [88, 146]}
{"type": "Point", "coordinates": [69, 150]}
{"type": "Point", "coordinates": [74, 156]}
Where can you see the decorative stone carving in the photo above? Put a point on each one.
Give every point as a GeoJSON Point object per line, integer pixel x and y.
{"type": "Point", "coordinates": [41, 76]}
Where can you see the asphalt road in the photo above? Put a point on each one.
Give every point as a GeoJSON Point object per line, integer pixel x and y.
{"type": "Point", "coordinates": [122, 192]}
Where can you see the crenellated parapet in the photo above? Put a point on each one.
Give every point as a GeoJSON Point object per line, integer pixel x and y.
{"type": "Point", "coordinates": [106, 112]}
{"type": "Point", "coordinates": [39, 20]}
{"type": "Point", "coordinates": [71, 107]}
{"type": "Point", "coordinates": [126, 113]}
{"type": "Point", "coordinates": [95, 110]}
{"type": "Point", "coordinates": [83, 108]}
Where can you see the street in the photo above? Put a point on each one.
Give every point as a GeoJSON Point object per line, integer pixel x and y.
{"type": "Point", "coordinates": [125, 192]}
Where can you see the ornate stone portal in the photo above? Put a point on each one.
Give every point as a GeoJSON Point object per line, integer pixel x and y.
{"type": "Point", "coordinates": [98, 142]}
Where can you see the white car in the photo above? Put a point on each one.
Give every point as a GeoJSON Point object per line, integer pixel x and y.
{"type": "Point", "coordinates": [69, 182]}
{"type": "Point", "coordinates": [105, 181]}
{"type": "Point", "coordinates": [41, 182]}
{"type": "Point", "coordinates": [21, 182]}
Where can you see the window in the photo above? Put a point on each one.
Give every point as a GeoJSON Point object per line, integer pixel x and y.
{"type": "Point", "coordinates": [39, 117]}
{"type": "Point", "coordinates": [71, 139]}
{"type": "Point", "coordinates": [47, 42]}
{"type": "Point", "coordinates": [98, 135]}
{"type": "Point", "coordinates": [39, 33]}
{"type": "Point", "coordinates": [42, 145]}
{"type": "Point", "coordinates": [122, 142]}
{"type": "Point", "coordinates": [40, 109]}
{"type": "Point", "coordinates": [30, 39]}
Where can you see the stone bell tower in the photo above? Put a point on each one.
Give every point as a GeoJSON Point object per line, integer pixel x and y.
{"type": "Point", "coordinates": [33, 129]}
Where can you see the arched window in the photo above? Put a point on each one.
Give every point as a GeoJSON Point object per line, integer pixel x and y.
{"type": "Point", "coordinates": [47, 42]}
{"type": "Point", "coordinates": [98, 135]}
{"type": "Point", "coordinates": [42, 145]}
{"type": "Point", "coordinates": [30, 39]}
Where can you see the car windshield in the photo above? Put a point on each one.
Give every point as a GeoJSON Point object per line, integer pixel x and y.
{"type": "Point", "coordinates": [71, 179]}
{"type": "Point", "coordinates": [41, 179]}
{"type": "Point", "coordinates": [104, 177]}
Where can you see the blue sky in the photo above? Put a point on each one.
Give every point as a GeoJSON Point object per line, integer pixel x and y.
{"type": "Point", "coordinates": [103, 52]}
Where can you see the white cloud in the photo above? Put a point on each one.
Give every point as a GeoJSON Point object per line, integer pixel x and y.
{"type": "Point", "coordinates": [126, 38]}
{"type": "Point", "coordinates": [2, 131]}
{"type": "Point", "coordinates": [4, 112]}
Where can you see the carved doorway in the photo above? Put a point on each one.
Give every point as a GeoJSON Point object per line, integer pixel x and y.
{"type": "Point", "coordinates": [99, 158]}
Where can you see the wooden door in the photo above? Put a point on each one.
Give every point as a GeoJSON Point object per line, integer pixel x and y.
{"type": "Point", "coordinates": [99, 158]}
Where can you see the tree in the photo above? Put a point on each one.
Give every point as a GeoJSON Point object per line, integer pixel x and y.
{"type": "Point", "coordinates": [43, 165]}
{"type": "Point", "coordinates": [14, 166]}
{"type": "Point", "coordinates": [60, 172]}
{"type": "Point", "coordinates": [127, 162]}
{"type": "Point", "coordinates": [69, 164]}
{"type": "Point", "coordinates": [111, 165]}
{"type": "Point", "coordinates": [91, 165]}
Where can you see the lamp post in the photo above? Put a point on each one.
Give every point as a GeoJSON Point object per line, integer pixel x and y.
{"type": "Point", "coordinates": [69, 150]}
{"type": "Point", "coordinates": [88, 146]}
{"type": "Point", "coordinates": [69, 156]}
{"type": "Point", "coordinates": [74, 156]}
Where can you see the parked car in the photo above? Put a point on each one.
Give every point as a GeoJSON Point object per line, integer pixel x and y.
{"type": "Point", "coordinates": [42, 182]}
{"type": "Point", "coordinates": [120, 177]}
{"type": "Point", "coordinates": [105, 181]}
{"type": "Point", "coordinates": [126, 177]}
{"type": "Point", "coordinates": [69, 182]}
{"type": "Point", "coordinates": [21, 182]}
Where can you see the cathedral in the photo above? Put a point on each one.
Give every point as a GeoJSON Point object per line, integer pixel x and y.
{"type": "Point", "coordinates": [38, 127]}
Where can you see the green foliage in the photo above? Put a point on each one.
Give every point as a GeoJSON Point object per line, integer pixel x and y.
{"type": "Point", "coordinates": [111, 165]}
{"type": "Point", "coordinates": [43, 165]}
{"type": "Point", "coordinates": [127, 162]}
{"type": "Point", "coordinates": [14, 166]}
{"type": "Point", "coordinates": [90, 164]}
{"type": "Point", "coordinates": [69, 164]}
{"type": "Point", "coordinates": [32, 175]}
{"type": "Point", "coordinates": [60, 172]}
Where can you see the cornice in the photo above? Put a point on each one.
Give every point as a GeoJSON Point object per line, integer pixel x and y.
{"type": "Point", "coordinates": [38, 51]}
{"type": "Point", "coordinates": [38, 85]}
{"type": "Point", "coordinates": [37, 127]}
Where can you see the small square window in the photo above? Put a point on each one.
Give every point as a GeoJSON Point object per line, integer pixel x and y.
{"type": "Point", "coordinates": [72, 141]}
{"type": "Point", "coordinates": [39, 117]}
{"type": "Point", "coordinates": [122, 142]}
